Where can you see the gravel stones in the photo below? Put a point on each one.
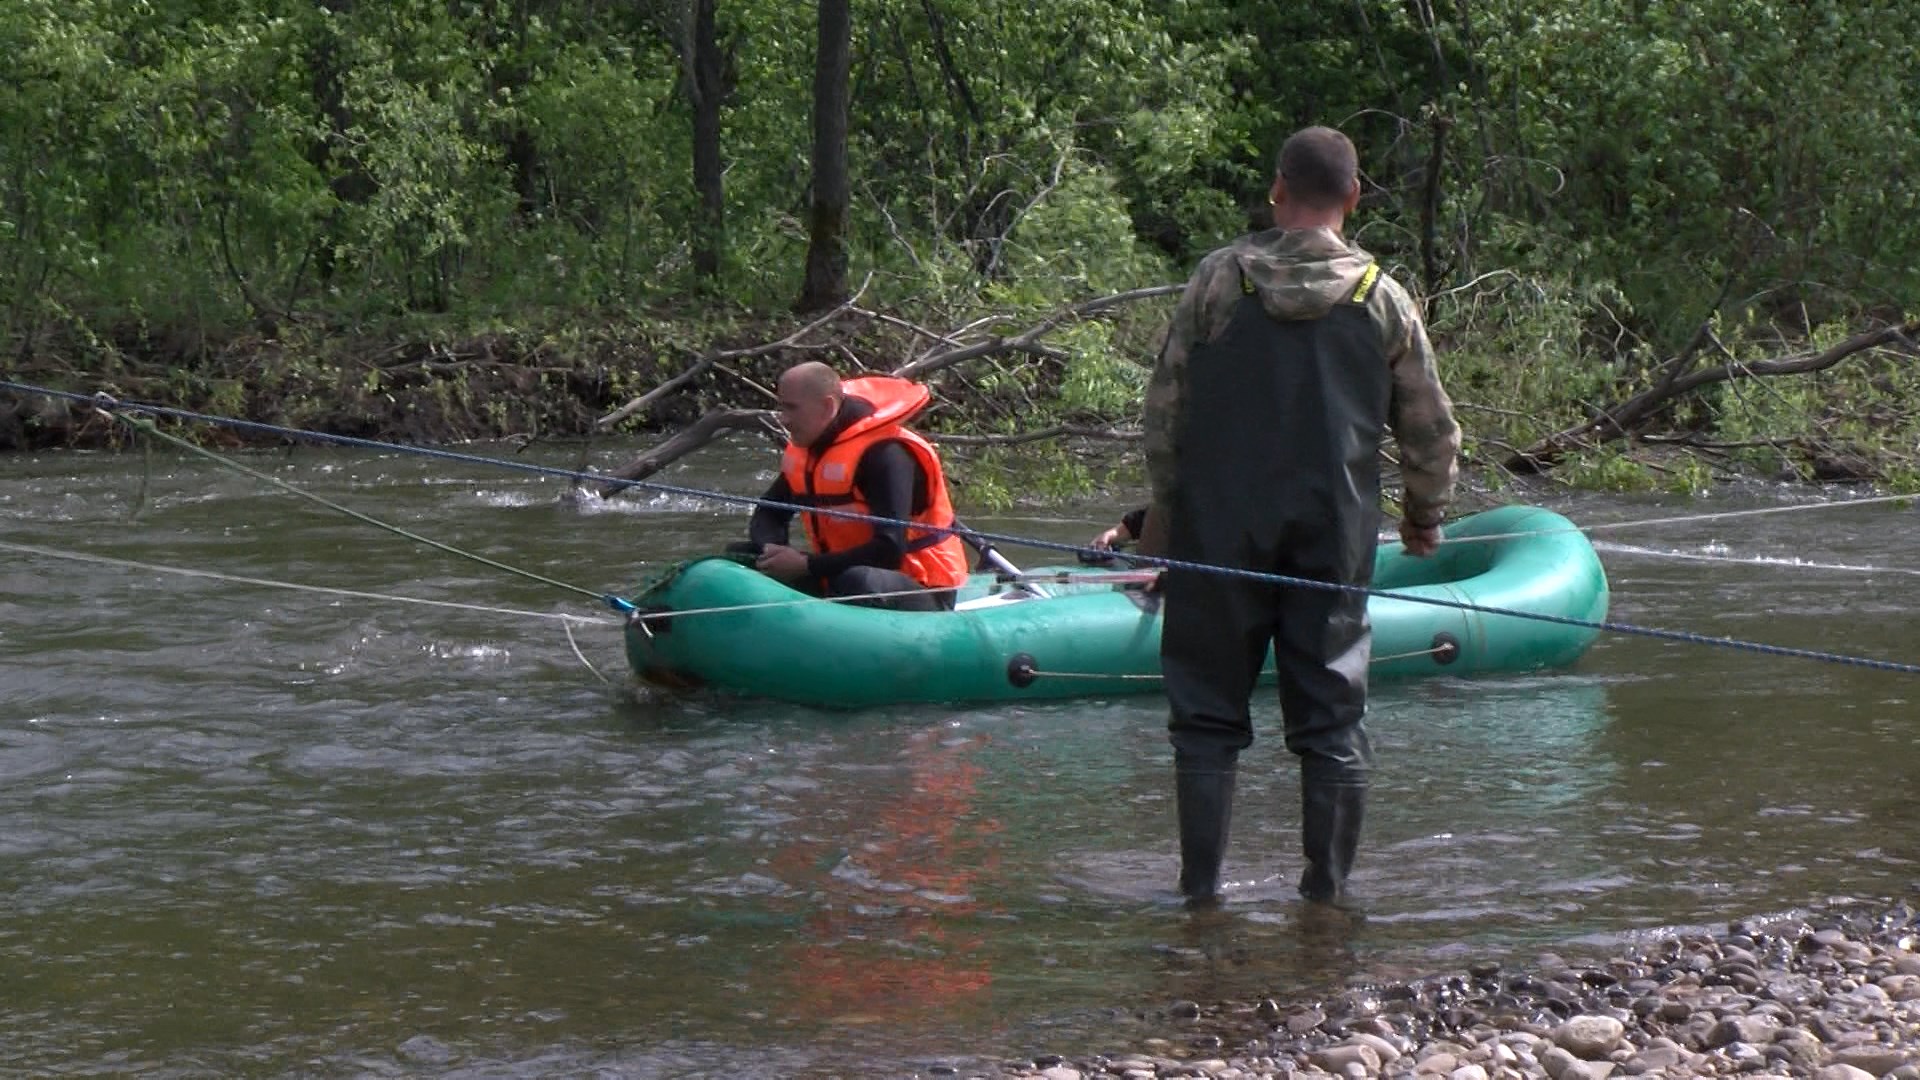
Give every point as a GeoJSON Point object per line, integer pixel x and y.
{"type": "Point", "coordinates": [1829, 996]}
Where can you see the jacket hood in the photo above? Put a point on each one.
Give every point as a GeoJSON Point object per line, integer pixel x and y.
{"type": "Point", "coordinates": [1299, 273]}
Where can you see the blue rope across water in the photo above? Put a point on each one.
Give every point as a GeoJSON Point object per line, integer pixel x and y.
{"type": "Point", "coordinates": [110, 405]}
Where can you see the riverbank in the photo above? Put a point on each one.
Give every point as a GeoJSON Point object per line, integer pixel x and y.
{"type": "Point", "coordinates": [664, 371]}
{"type": "Point", "coordinates": [1833, 995]}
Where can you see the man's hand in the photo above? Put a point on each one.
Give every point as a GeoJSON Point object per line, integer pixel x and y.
{"type": "Point", "coordinates": [782, 563]}
{"type": "Point", "coordinates": [1420, 540]}
{"type": "Point", "coordinates": [1106, 540]}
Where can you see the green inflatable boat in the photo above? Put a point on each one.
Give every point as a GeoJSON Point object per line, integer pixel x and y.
{"type": "Point", "coordinates": [1077, 632]}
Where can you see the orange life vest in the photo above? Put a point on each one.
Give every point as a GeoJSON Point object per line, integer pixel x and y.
{"type": "Point", "coordinates": [933, 559]}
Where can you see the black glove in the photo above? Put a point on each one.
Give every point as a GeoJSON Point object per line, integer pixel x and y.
{"type": "Point", "coordinates": [1091, 557]}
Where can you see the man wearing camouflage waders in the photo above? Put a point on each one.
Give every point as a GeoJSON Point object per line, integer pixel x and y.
{"type": "Point", "coordinates": [1288, 357]}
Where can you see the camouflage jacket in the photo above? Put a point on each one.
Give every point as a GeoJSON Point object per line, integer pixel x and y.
{"type": "Point", "coordinates": [1302, 274]}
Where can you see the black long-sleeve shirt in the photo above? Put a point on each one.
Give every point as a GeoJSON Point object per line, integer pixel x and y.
{"type": "Point", "coordinates": [886, 477]}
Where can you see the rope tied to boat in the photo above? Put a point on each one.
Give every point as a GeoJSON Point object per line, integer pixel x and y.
{"type": "Point", "coordinates": [272, 583]}
{"type": "Point", "coordinates": [149, 428]}
{"type": "Point", "coordinates": [646, 619]}
{"type": "Point", "coordinates": [114, 407]}
{"type": "Point", "coordinates": [108, 403]}
{"type": "Point", "coordinates": [1023, 671]}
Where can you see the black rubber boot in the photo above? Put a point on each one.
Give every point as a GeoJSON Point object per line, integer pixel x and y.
{"type": "Point", "coordinates": [1330, 819]}
{"type": "Point", "coordinates": [1203, 792]}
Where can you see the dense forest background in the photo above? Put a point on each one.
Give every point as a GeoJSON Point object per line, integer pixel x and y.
{"type": "Point", "coordinates": [1658, 242]}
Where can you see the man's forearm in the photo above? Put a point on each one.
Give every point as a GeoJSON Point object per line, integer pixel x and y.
{"type": "Point", "coordinates": [772, 524]}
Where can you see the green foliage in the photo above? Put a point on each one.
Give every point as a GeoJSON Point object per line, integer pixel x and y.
{"type": "Point", "coordinates": [1578, 187]}
{"type": "Point", "coordinates": [1674, 146]}
{"type": "Point", "coordinates": [1609, 469]}
{"type": "Point", "coordinates": [1517, 358]}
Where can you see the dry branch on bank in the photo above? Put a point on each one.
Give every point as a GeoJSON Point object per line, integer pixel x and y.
{"type": "Point", "coordinates": [948, 351]}
{"type": "Point", "coordinates": [688, 439]}
{"type": "Point", "coordinates": [713, 360]}
{"type": "Point", "coordinates": [1029, 339]}
{"type": "Point", "coordinates": [1057, 431]}
{"type": "Point", "coordinates": [1679, 378]}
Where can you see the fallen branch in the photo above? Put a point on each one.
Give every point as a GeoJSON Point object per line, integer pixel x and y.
{"type": "Point", "coordinates": [644, 400]}
{"type": "Point", "coordinates": [911, 327]}
{"type": "Point", "coordinates": [687, 440]}
{"type": "Point", "coordinates": [1028, 340]}
{"type": "Point", "coordinates": [705, 429]}
{"type": "Point", "coordinates": [1626, 417]}
{"type": "Point", "coordinates": [791, 341]}
{"type": "Point", "coordinates": [1495, 410]}
{"type": "Point", "coordinates": [1058, 431]}
{"type": "Point", "coordinates": [920, 369]}
{"type": "Point", "coordinates": [1694, 442]}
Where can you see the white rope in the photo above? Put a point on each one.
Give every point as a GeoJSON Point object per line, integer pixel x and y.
{"type": "Point", "coordinates": [1039, 674]}
{"type": "Point", "coordinates": [1685, 519]}
{"type": "Point", "coordinates": [271, 584]}
{"type": "Point", "coordinates": [1417, 652]}
{"type": "Point", "coordinates": [675, 613]}
{"type": "Point", "coordinates": [568, 627]}
{"type": "Point", "coordinates": [1756, 560]}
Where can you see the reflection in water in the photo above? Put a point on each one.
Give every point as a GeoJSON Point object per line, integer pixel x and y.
{"type": "Point", "coordinates": [895, 937]}
{"type": "Point", "coordinates": [255, 831]}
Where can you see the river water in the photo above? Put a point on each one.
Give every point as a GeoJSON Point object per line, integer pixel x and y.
{"type": "Point", "coordinates": [252, 830]}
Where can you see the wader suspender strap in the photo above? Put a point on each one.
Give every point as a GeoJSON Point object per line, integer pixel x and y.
{"type": "Point", "coordinates": [1361, 291]}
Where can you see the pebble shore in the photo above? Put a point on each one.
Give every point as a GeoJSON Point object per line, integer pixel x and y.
{"type": "Point", "coordinates": [1832, 996]}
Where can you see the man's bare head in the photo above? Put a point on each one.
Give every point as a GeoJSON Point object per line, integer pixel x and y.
{"type": "Point", "coordinates": [1319, 170]}
{"type": "Point", "coordinates": [811, 379]}
{"type": "Point", "coordinates": [810, 399]}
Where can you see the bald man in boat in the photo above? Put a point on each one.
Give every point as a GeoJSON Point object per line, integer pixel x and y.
{"type": "Point", "coordinates": [1288, 358]}
{"type": "Point", "coordinates": [848, 451]}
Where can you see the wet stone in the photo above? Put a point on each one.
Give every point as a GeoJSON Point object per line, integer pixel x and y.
{"type": "Point", "coordinates": [1653, 1059]}
{"type": "Point", "coordinates": [1675, 1011]}
{"type": "Point", "coordinates": [1304, 1021]}
{"type": "Point", "coordinates": [425, 1050]}
{"type": "Point", "coordinates": [1901, 987]}
{"type": "Point", "coordinates": [1589, 1037]}
{"type": "Point", "coordinates": [1337, 1058]}
{"type": "Point", "coordinates": [1875, 1059]}
{"type": "Point", "coordinates": [1742, 1029]}
{"type": "Point", "coordinates": [1384, 1050]}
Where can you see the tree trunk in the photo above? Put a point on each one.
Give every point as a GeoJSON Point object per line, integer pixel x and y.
{"type": "Point", "coordinates": [826, 281]}
{"type": "Point", "coordinates": [705, 72]}
{"type": "Point", "coordinates": [348, 179]}
{"type": "Point", "coordinates": [522, 152]}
